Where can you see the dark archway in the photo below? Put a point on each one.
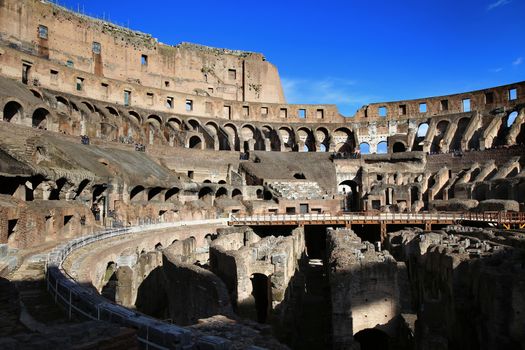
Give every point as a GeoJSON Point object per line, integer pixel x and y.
{"type": "Point", "coordinates": [195, 142]}
{"type": "Point", "coordinates": [351, 191]}
{"type": "Point", "coordinates": [221, 192]}
{"type": "Point", "coordinates": [236, 193]}
{"type": "Point", "coordinates": [39, 119]}
{"type": "Point", "coordinates": [205, 191]}
{"type": "Point", "coordinates": [398, 147]}
{"type": "Point", "coordinates": [372, 339]}
{"type": "Point", "coordinates": [110, 281]}
{"type": "Point", "coordinates": [262, 294]}
{"type": "Point", "coordinates": [13, 110]}
{"type": "Point", "coordinates": [153, 194]}
{"type": "Point", "coordinates": [135, 191]}
{"type": "Point", "coordinates": [170, 193]}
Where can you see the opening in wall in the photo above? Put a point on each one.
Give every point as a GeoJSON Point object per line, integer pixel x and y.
{"type": "Point", "coordinates": [232, 74]}
{"type": "Point", "coordinates": [105, 90]}
{"type": "Point", "coordinates": [226, 111]}
{"type": "Point", "coordinates": [169, 102]}
{"type": "Point", "coordinates": [144, 60]}
{"type": "Point", "coordinates": [26, 68]}
{"type": "Point", "coordinates": [382, 111]}
{"type": "Point", "coordinates": [245, 111]}
{"type": "Point", "coordinates": [97, 48]}
{"type": "Point", "coordinates": [320, 113]}
{"type": "Point", "coordinates": [42, 32]}
{"type": "Point", "coordinates": [283, 113]}
{"type": "Point", "coordinates": [127, 97]}
{"type": "Point", "coordinates": [444, 105]}
{"type": "Point", "coordinates": [402, 109]}
{"type": "Point", "coordinates": [422, 107]}
{"type": "Point", "coordinates": [264, 111]}
{"type": "Point", "coordinates": [513, 94]}
{"type": "Point", "coordinates": [149, 98]}
{"type": "Point", "coordinates": [80, 84]}
{"type": "Point", "coordinates": [301, 113]}
{"type": "Point", "coordinates": [11, 227]}
{"type": "Point", "coordinates": [54, 76]}
{"type": "Point", "coordinates": [489, 98]}
{"type": "Point", "coordinates": [189, 105]}
{"type": "Point", "coordinates": [465, 103]}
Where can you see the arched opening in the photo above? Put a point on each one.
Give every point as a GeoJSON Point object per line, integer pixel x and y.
{"type": "Point", "coordinates": [206, 181]}
{"type": "Point", "coordinates": [307, 137]}
{"type": "Point", "coordinates": [421, 133]}
{"type": "Point", "coordinates": [364, 148]}
{"type": "Point", "coordinates": [110, 282]}
{"type": "Point", "coordinates": [349, 189]}
{"type": "Point", "coordinates": [55, 193]}
{"type": "Point", "coordinates": [511, 119]}
{"type": "Point", "coordinates": [398, 147]}
{"type": "Point", "coordinates": [236, 193]}
{"type": "Point", "coordinates": [372, 339]}
{"type": "Point", "coordinates": [134, 194]}
{"type": "Point", "coordinates": [323, 139]}
{"type": "Point", "coordinates": [39, 118]}
{"type": "Point", "coordinates": [170, 193]}
{"type": "Point", "coordinates": [322, 148]}
{"type": "Point", "coordinates": [441, 129]}
{"type": "Point", "coordinates": [195, 142]}
{"type": "Point", "coordinates": [259, 194]}
{"type": "Point", "coordinates": [158, 246]}
{"type": "Point", "coordinates": [221, 192]}
{"type": "Point", "coordinates": [299, 176]}
{"type": "Point", "coordinates": [205, 191]}
{"type": "Point", "coordinates": [112, 111]}
{"type": "Point", "coordinates": [344, 140]}
{"type": "Point", "coordinates": [231, 131]}
{"type": "Point", "coordinates": [288, 139]}
{"type": "Point", "coordinates": [382, 147]}
{"type": "Point", "coordinates": [463, 123]}
{"type": "Point", "coordinates": [194, 124]}
{"type": "Point", "coordinates": [153, 194]}
{"type": "Point", "coordinates": [37, 94]}
{"type": "Point", "coordinates": [267, 195]}
{"type": "Point", "coordinates": [261, 292]}
{"type": "Point", "coordinates": [13, 111]}
{"type": "Point", "coordinates": [222, 182]}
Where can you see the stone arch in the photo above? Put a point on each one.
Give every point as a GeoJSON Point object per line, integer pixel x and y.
{"type": "Point", "coordinates": [511, 119]}
{"type": "Point", "coordinates": [194, 124]}
{"type": "Point", "coordinates": [195, 142]}
{"type": "Point", "coordinates": [399, 147]}
{"type": "Point", "coordinates": [56, 192]}
{"type": "Point", "coordinates": [110, 281]}
{"type": "Point", "coordinates": [323, 139]}
{"type": "Point", "coordinates": [251, 138]}
{"type": "Point", "coordinates": [37, 94]}
{"type": "Point", "coordinates": [39, 118]}
{"type": "Point", "coordinates": [154, 193]}
{"type": "Point", "coordinates": [441, 129]}
{"type": "Point", "coordinates": [462, 126]}
{"type": "Point", "coordinates": [236, 193]}
{"type": "Point", "coordinates": [135, 194]}
{"type": "Point", "coordinates": [153, 127]}
{"type": "Point", "coordinates": [233, 136]}
{"type": "Point", "coordinates": [205, 191]}
{"type": "Point", "coordinates": [62, 103]}
{"type": "Point", "coordinates": [221, 136]}
{"type": "Point", "coordinates": [112, 111]}
{"type": "Point", "coordinates": [350, 189]}
{"type": "Point", "coordinates": [288, 138]}
{"type": "Point", "coordinates": [382, 147]}
{"type": "Point", "coordinates": [221, 192]}
{"type": "Point", "coordinates": [13, 112]}
{"type": "Point", "coordinates": [344, 140]}
{"type": "Point", "coordinates": [306, 137]}
{"type": "Point", "coordinates": [171, 193]}
{"type": "Point", "coordinates": [89, 106]}
{"type": "Point", "coordinates": [135, 117]}
{"type": "Point", "coordinates": [364, 148]}
{"type": "Point", "coordinates": [421, 134]}
{"type": "Point", "coordinates": [271, 134]}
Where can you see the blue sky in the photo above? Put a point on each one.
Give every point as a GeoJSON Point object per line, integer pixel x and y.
{"type": "Point", "coordinates": [348, 52]}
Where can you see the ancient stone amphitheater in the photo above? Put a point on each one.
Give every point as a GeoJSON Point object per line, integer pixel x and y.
{"type": "Point", "coordinates": [167, 197]}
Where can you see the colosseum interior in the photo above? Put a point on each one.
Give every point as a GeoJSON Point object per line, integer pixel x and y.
{"type": "Point", "coordinates": [167, 197]}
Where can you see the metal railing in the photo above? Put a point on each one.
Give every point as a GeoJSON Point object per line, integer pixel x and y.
{"type": "Point", "coordinates": [88, 303]}
{"type": "Point", "coordinates": [489, 217]}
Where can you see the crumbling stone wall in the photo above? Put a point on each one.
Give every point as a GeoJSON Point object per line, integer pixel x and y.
{"type": "Point", "coordinates": [466, 290]}
{"type": "Point", "coordinates": [363, 285]}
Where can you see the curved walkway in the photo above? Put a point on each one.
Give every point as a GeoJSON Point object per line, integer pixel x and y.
{"type": "Point", "coordinates": [86, 303]}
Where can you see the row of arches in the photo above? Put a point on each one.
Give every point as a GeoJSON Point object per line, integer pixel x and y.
{"type": "Point", "coordinates": [13, 112]}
